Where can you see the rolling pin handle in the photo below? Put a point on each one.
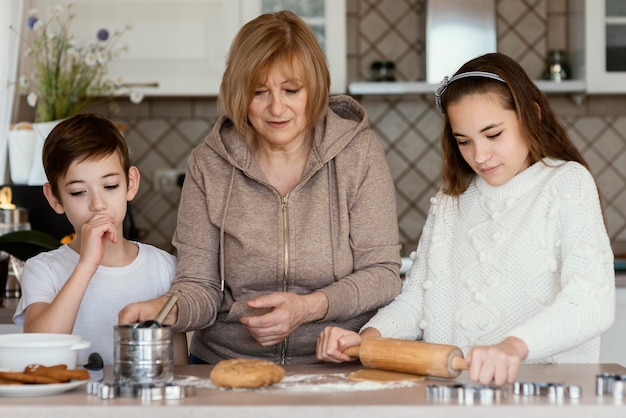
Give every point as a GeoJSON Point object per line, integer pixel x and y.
{"type": "Point", "coordinates": [459, 363]}
{"type": "Point", "coordinates": [352, 351]}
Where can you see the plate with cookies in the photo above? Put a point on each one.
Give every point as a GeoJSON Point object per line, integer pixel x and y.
{"type": "Point", "coordinates": [38, 380]}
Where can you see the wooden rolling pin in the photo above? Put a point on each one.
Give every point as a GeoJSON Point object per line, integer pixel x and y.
{"type": "Point", "coordinates": [413, 357]}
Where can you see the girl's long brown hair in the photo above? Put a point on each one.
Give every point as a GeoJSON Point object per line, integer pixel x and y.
{"type": "Point", "coordinates": [545, 135]}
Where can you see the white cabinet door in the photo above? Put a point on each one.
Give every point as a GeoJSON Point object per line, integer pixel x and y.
{"type": "Point", "coordinates": [605, 46]}
{"type": "Point", "coordinates": [179, 47]}
{"type": "Point", "coordinates": [327, 19]}
{"type": "Point", "coordinates": [175, 47]}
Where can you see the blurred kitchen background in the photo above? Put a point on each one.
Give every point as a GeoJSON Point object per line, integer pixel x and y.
{"type": "Point", "coordinates": [162, 130]}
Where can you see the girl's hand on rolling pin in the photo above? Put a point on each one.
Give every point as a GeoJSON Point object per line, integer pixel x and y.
{"type": "Point", "coordinates": [332, 341]}
{"type": "Point", "coordinates": [498, 363]}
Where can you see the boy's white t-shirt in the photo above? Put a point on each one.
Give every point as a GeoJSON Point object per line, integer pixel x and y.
{"type": "Point", "coordinates": [110, 289]}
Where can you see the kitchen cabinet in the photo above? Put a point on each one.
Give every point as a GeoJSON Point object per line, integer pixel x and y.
{"type": "Point", "coordinates": [174, 48]}
{"type": "Point", "coordinates": [605, 46]}
{"type": "Point", "coordinates": [178, 48]}
{"type": "Point", "coordinates": [327, 19]}
{"type": "Point", "coordinates": [597, 43]}
{"type": "Point", "coordinates": [171, 45]}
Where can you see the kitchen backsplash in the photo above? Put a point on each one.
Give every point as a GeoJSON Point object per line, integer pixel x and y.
{"type": "Point", "coordinates": [162, 131]}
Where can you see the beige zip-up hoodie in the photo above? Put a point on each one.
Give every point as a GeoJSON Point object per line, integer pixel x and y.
{"type": "Point", "coordinates": [335, 232]}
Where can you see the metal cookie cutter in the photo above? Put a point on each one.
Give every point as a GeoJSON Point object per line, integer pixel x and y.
{"type": "Point", "coordinates": [467, 393]}
{"type": "Point", "coordinates": [550, 390]}
{"type": "Point", "coordinates": [153, 392]}
{"type": "Point", "coordinates": [611, 384]}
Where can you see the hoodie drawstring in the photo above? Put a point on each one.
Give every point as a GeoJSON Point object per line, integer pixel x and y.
{"type": "Point", "coordinates": [225, 211]}
{"type": "Point", "coordinates": [331, 199]}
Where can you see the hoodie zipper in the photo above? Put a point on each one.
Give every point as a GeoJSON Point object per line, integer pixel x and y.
{"type": "Point", "coordinates": [285, 211]}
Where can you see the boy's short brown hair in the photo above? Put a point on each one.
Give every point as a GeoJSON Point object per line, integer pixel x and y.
{"type": "Point", "coordinates": [79, 138]}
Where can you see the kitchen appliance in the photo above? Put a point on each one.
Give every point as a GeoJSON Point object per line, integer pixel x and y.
{"type": "Point", "coordinates": [40, 215]}
{"type": "Point", "coordinates": [457, 31]}
{"type": "Point", "coordinates": [12, 218]}
{"type": "Point", "coordinates": [143, 366]}
{"type": "Point", "coordinates": [143, 355]}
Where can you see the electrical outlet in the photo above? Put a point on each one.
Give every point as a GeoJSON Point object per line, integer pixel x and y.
{"type": "Point", "coordinates": [166, 180]}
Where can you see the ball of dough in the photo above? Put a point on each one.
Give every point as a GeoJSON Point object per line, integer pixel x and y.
{"type": "Point", "coordinates": [246, 373]}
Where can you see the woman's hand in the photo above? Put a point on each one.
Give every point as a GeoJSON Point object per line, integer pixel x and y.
{"type": "Point", "coordinates": [497, 363]}
{"type": "Point", "coordinates": [331, 343]}
{"type": "Point", "coordinates": [146, 310]}
{"type": "Point", "coordinates": [287, 312]}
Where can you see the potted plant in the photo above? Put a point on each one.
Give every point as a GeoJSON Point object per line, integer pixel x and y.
{"type": "Point", "coordinates": [67, 75]}
{"type": "Point", "coordinates": [26, 244]}
{"type": "Point", "coordinates": [63, 75]}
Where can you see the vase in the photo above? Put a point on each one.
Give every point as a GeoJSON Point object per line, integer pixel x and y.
{"type": "Point", "coordinates": [27, 161]}
{"type": "Point", "coordinates": [22, 141]}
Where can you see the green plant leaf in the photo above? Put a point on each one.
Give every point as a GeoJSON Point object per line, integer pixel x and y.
{"type": "Point", "coordinates": [26, 244]}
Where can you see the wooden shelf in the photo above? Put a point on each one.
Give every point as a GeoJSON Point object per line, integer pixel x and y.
{"type": "Point", "coordinates": [422, 87]}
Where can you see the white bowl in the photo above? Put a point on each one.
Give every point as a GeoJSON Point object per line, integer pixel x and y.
{"type": "Point", "coordinates": [19, 350]}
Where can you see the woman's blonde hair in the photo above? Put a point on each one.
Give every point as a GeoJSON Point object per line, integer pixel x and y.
{"type": "Point", "coordinates": [275, 38]}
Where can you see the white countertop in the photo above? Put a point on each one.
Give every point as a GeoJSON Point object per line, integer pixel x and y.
{"type": "Point", "coordinates": [290, 402]}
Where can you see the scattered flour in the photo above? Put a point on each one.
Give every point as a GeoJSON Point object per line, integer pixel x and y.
{"type": "Point", "coordinates": [309, 383]}
{"type": "Point", "coordinates": [335, 383]}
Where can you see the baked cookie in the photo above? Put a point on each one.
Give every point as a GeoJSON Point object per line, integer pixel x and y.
{"type": "Point", "coordinates": [246, 373]}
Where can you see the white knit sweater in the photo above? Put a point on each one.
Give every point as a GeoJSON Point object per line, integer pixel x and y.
{"type": "Point", "coordinates": [529, 259]}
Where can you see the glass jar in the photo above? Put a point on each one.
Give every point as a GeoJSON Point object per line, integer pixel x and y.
{"type": "Point", "coordinates": [383, 70]}
{"type": "Point", "coordinates": [558, 68]}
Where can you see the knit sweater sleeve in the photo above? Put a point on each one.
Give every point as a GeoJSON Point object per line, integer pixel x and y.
{"type": "Point", "coordinates": [585, 306]}
{"type": "Point", "coordinates": [402, 317]}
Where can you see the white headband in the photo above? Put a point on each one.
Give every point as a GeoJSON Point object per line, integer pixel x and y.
{"type": "Point", "coordinates": [446, 82]}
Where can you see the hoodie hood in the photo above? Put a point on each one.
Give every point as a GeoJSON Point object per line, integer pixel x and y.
{"type": "Point", "coordinates": [345, 119]}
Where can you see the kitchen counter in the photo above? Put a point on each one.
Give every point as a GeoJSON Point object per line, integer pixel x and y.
{"type": "Point", "coordinates": [7, 309]}
{"type": "Point", "coordinates": [342, 400]}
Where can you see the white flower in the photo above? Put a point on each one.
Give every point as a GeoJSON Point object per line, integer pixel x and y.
{"type": "Point", "coordinates": [102, 57]}
{"type": "Point", "coordinates": [90, 59]}
{"type": "Point", "coordinates": [38, 26]}
{"type": "Point", "coordinates": [136, 97]}
{"type": "Point", "coordinates": [72, 53]}
{"type": "Point", "coordinates": [23, 81]}
{"type": "Point", "coordinates": [31, 99]}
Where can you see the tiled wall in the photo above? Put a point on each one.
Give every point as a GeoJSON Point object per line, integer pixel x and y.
{"type": "Point", "coordinates": [409, 126]}
{"type": "Point", "coordinates": [163, 131]}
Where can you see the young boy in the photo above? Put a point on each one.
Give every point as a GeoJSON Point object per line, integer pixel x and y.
{"type": "Point", "coordinates": [80, 287]}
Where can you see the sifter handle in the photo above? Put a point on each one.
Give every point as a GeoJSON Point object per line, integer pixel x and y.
{"type": "Point", "coordinates": [167, 307]}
